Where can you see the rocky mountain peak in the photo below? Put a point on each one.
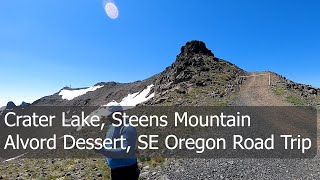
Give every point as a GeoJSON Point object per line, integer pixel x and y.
{"type": "Point", "coordinates": [11, 104]}
{"type": "Point", "coordinates": [195, 67]}
{"type": "Point", "coordinates": [24, 104]}
{"type": "Point", "coordinates": [195, 47]}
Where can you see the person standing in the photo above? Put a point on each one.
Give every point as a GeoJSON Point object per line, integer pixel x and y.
{"type": "Point", "coordinates": [123, 165]}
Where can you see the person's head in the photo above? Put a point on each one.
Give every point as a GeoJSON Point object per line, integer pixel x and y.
{"type": "Point", "coordinates": [112, 108]}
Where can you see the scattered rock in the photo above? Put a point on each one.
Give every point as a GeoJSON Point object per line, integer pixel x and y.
{"type": "Point", "coordinates": [312, 91]}
{"type": "Point", "coordinates": [215, 94]}
{"type": "Point", "coordinates": [201, 83]}
{"type": "Point", "coordinates": [181, 89]}
{"type": "Point", "coordinates": [144, 175]}
{"type": "Point", "coordinates": [304, 94]}
{"type": "Point", "coordinates": [146, 168]}
{"type": "Point", "coordinates": [163, 177]}
{"type": "Point", "coordinates": [161, 100]}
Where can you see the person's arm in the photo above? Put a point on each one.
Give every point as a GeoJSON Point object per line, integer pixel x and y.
{"type": "Point", "coordinates": [130, 134]}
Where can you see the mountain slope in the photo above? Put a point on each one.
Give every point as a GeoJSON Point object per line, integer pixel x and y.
{"type": "Point", "coordinates": [92, 96]}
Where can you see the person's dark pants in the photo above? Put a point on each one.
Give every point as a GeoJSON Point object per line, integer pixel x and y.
{"type": "Point", "coordinates": [126, 173]}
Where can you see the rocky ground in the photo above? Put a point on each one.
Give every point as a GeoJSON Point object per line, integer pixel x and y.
{"type": "Point", "coordinates": [54, 169]}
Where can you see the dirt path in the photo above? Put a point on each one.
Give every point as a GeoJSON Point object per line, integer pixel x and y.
{"type": "Point", "coordinates": [257, 92]}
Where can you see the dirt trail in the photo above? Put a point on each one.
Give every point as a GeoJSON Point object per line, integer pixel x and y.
{"type": "Point", "coordinates": [257, 92]}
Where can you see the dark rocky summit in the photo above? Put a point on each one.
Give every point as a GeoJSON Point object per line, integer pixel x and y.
{"type": "Point", "coordinates": [10, 105]}
{"type": "Point", "coordinates": [195, 69]}
{"type": "Point", "coordinates": [195, 47]}
{"type": "Point", "coordinates": [24, 104]}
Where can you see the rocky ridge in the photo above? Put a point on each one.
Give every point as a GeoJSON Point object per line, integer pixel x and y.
{"type": "Point", "coordinates": [296, 93]}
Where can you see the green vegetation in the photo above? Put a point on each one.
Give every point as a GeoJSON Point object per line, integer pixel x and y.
{"type": "Point", "coordinates": [152, 162]}
{"type": "Point", "coordinates": [291, 97]}
{"type": "Point", "coordinates": [226, 77]}
{"type": "Point", "coordinates": [295, 100]}
{"type": "Point", "coordinates": [166, 103]}
{"type": "Point", "coordinates": [57, 169]}
{"type": "Point", "coordinates": [195, 93]}
{"type": "Point", "coordinates": [280, 91]}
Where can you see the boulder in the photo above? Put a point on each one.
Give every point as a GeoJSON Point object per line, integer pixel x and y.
{"type": "Point", "coordinates": [181, 89]}
{"type": "Point", "coordinates": [215, 94]}
{"type": "Point", "coordinates": [312, 91]}
{"type": "Point", "coordinates": [201, 83]}
{"type": "Point", "coordinates": [160, 100]}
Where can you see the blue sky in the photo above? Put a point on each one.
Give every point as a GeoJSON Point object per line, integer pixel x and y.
{"type": "Point", "coordinates": [46, 45]}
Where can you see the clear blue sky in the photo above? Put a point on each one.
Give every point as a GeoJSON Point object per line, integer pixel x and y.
{"type": "Point", "coordinates": [46, 45]}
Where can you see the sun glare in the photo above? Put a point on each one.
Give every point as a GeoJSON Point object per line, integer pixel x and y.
{"type": "Point", "coordinates": [111, 10]}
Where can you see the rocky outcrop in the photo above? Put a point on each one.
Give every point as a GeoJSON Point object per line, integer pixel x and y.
{"type": "Point", "coordinates": [195, 47]}
{"type": "Point", "coordinates": [11, 105]}
{"type": "Point", "coordinates": [24, 104]}
{"type": "Point", "coordinates": [195, 67]}
{"type": "Point", "coordinates": [305, 90]}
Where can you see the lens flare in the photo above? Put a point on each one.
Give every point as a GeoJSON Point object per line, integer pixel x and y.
{"type": "Point", "coordinates": [111, 10]}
